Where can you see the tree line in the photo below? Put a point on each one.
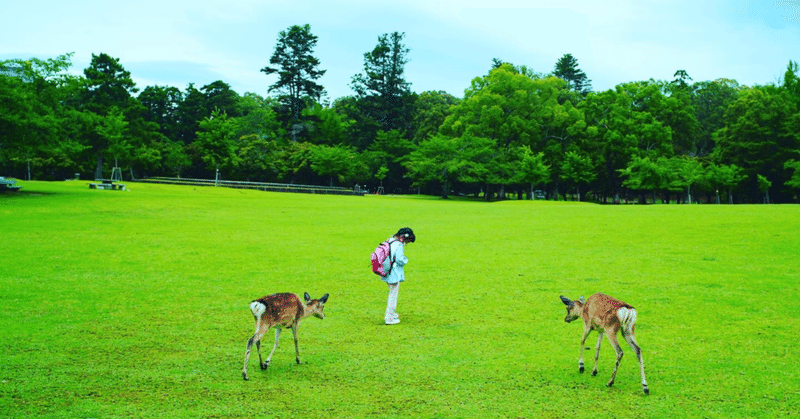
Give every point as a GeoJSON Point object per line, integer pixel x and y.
{"type": "Point", "coordinates": [514, 131]}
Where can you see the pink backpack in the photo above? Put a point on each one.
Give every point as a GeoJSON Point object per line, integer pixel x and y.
{"type": "Point", "coordinates": [380, 254]}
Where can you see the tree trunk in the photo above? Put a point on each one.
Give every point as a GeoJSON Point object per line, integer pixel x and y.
{"type": "Point", "coordinates": [98, 172]}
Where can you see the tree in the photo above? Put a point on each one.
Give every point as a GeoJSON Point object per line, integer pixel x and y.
{"type": "Point", "coordinates": [760, 135]}
{"type": "Point", "coordinates": [220, 97]}
{"type": "Point", "coordinates": [688, 172]}
{"type": "Point", "coordinates": [530, 169]}
{"type": "Point", "coordinates": [566, 68]}
{"type": "Point", "coordinates": [644, 174]}
{"type": "Point", "coordinates": [334, 161]}
{"type": "Point", "coordinates": [726, 176]}
{"type": "Point", "coordinates": [175, 157]}
{"type": "Point", "coordinates": [794, 181]}
{"type": "Point", "coordinates": [436, 159]}
{"type": "Point", "coordinates": [108, 86]}
{"type": "Point", "coordinates": [577, 169]}
{"type": "Point", "coordinates": [764, 185]}
{"type": "Point", "coordinates": [430, 110]}
{"type": "Point", "coordinates": [215, 143]}
{"type": "Point", "coordinates": [161, 107]}
{"type": "Point", "coordinates": [34, 110]}
{"type": "Point", "coordinates": [620, 128]}
{"type": "Point", "coordinates": [382, 89]}
{"type": "Point", "coordinates": [112, 129]}
{"type": "Point", "coordinates": [710, 99]}
{"type": "Point", "coordinates": [297, 69]}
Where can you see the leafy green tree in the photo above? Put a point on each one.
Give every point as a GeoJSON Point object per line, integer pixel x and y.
{"type": "Point", "coordinates": [258, 118]}
{"type": "Point", "coordinates": [530, 169]}
{"type": "Point", "coordinates": [191, 111]}
{"type": "Point", "coordinates": [763, 185]}
{"type": "Point", "coordinates": [725, 176]}
{"type": "Point", "coordinates": [794, 181]}
{"type": "Point", "coordinates": [430, 110]}
{"type": "Point", "coordinates": [435, 160]}
{"type": "Point", "coordinates": [215, 144]}
{"type": "Point", "coordinates": [507, 108]}
{"type": "Point", "coordinates": [710, 99]}
{"type": "Point", "coordinates": [760, 135]}
{"type": "Point", "coordinates": [108, 86]}
{"type": "Point", "coordinates": [382, 90]}
{"type": "Point", "coordinates": [337, 162]}
{"type": "Point", "coordinates": [620, 128]}
{"type": "Point", "coordinates": [390, 151]}
{"type": "Point", "coordinates": [175, 157]}
{"type": "Point", "coordinates": [112, 129]}
{"type": "Point", "coordinates": [577, 169]}
{"type": "Point", "coordinates": [32, 109]}
{"type": "Point", "coordinates": [688, 172]}
{"type": "Point", "coordinates": [161, 107]}
{"type": "Point", "coordinates": [645, 174]}
{"type": "Point", "coordinates": [297, 69]}
{"type": "Point", "coordinates": [221, 98]}
{"type": "Point", "coordinates": [566, 68]}
{"type": "Point", "coordinates": [323, 125]}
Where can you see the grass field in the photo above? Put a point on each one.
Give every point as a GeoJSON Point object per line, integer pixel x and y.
{"type": "Point", "coordinates": [135, 304]}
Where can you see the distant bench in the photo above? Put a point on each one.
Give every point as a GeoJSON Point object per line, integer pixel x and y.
{"type": "Point", "coordinates": [107, 184]}
{"type": "Point", "coordinates": [9, 184]}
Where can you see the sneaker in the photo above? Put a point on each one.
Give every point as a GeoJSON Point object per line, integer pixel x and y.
{"type": "Point", "coordinates": [392, 321]}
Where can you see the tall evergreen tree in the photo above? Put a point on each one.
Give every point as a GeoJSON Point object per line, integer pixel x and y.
{"type": "Point", "coordinates": [297, 69]}
{"type": "Point", "coordinates": [567, 69]}
{"type": "Point", "coordinates": [382, 87]}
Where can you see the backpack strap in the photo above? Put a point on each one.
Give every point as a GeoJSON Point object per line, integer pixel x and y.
{"type": "Point", "coordinates": [392, 258]}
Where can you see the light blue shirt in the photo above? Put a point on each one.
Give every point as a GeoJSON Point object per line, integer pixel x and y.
{"type": "Point", "coordinates": [400, 260]}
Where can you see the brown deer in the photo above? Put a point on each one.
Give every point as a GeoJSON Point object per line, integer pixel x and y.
{"type": "Point", "coordinates": [606, 315]}
{"type": "Point", "coordinates": [284, 310]}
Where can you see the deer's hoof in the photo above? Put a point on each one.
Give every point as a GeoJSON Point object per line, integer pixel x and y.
{"type": "Point", "coordinates": [646, 391]}
{"type": "Point", "coordinates": [265, 365]}
{"type": "Point", "coordinates": [580, 369]}
{"type": "Point", "coordinates": [610, 383]}
{"type": "Point", "coordinates": [594, 373]}
{"type": "Point", "coordinates": [298, 361]}
{"type": "Point", "coordinates": [244, 375]}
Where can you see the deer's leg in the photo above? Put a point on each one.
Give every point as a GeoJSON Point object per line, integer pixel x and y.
{"type": "Point", "coordinates": [275, 346]}
{"type": "Point", "coordinates": [586, 331]}
{"type": "Point", "coordinates": [612, 337]}
{"type": "Point", "coordinates": [631, 339]}
{"type": "Point", "coordinates": [256, 338]}
{"type": "Point", "coordinates": [597, 355]}
{"type": "Point", "coordinates": [296, 348]}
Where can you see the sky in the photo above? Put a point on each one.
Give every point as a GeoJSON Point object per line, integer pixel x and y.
{"type": "Point", "coordinates": [174, 43]}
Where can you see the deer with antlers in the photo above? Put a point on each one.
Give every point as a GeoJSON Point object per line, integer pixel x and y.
{"type": "Point", "coordinates": [284, 310]}
{"type": "Point", "coordinates": [606, 315]}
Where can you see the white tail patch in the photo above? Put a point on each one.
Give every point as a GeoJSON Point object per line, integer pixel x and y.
{"type": "Point", "coordinates": [257, 309]}
{"type": "Point", "coordinates": [627, 318]}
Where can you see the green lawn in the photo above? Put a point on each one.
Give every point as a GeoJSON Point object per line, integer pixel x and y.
{"type": "Point", "coordinates": [135, 304]}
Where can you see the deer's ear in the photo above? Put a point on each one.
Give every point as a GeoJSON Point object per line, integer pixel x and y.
{"type": "Point", "coordinates": [324, 299]}
{"type": "Point", "coordinates": [306, 296]}
{"type": "Point", "coordinates": [567, 302]}
{"type": "Point", "coordinates": [583, 301]}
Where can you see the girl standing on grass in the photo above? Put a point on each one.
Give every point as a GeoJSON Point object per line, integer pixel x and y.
{"type": "Point", "coordinates": [394, 265]}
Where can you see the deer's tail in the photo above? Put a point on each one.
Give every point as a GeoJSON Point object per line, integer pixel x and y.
{"type": "Point", "coordinates": [627, 319]}
{"type": "Point", "coordinates": [257, 308]}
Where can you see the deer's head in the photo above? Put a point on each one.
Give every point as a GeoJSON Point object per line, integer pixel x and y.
{"type": "Point", "coordinates": [574, 308]}
{"type": "Point", "coordinates": [316, 307]}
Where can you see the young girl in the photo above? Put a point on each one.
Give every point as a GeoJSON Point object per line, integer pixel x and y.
{"type": "Point", "coordinates": [394, 265]}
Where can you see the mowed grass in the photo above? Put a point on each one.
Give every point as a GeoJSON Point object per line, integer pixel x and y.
{"type": "Point", "coordinates": [135, 304]}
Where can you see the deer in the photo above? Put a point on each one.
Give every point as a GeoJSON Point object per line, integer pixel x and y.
{"type": "Point", "coordinates": [606, 315]}
{"type": "Point", "coordinates": [282, 310]}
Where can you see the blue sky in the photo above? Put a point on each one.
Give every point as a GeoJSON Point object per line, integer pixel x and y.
{"type": "Point", "coordinates": [179, 42]}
